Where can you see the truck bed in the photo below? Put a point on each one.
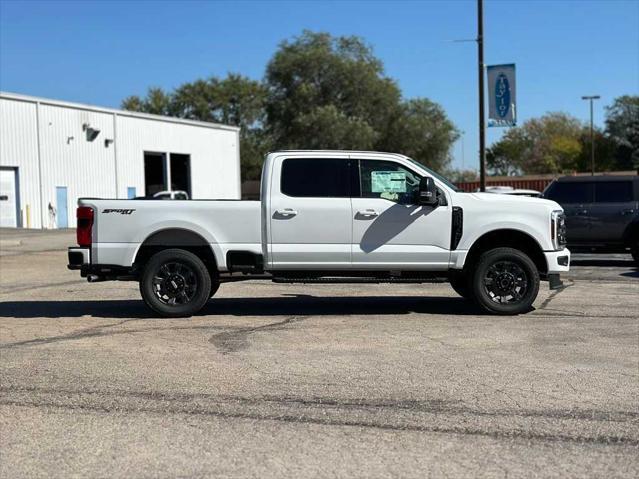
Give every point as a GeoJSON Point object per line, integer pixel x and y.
{"type": "Point", "coordinates": [120, 226]}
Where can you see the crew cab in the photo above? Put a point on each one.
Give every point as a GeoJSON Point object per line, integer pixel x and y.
{"type": "Point", "coordinates": [328, 216]}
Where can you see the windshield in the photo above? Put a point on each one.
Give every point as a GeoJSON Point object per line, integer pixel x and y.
{"type": "Point", "coordinates": [441, 178]}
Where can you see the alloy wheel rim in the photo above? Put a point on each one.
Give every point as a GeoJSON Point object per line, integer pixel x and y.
{"type": "Point", "coordinates": [506, 282]}
{"type": "Point", "coordinates": [175, 283]}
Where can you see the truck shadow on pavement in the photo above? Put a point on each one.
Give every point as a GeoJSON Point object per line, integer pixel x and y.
{"type": "Point", "coordinates": [301, 305]}
{"type": "Point", "coordinates": [603, 262]}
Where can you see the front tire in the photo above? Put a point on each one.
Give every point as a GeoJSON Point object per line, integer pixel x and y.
{"type": "Point", "coordinates": [175, 283]}
{"type": "Point", "coordinates": [505, 282]}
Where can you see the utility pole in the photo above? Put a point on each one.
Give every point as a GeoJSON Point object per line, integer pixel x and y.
{"type": "Point", "coordinates": [592, 133]}
{"type": "Point", "coordinates": [462, 152]}
{"type": "Point", "coordinates": [482, 126]}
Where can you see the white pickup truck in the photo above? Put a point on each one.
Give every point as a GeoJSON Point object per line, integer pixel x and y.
{"type": "Point", "coordinates": [328, 216]}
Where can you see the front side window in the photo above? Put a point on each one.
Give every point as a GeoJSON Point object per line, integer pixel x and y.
{"type": "Point", "coordinates": [613, 192]}
{"type": "Point", "coordinates": [388, 180]}
{"type": "Point", "coordinates": [566, 193]}
{"type": "Point", "coordinates": [315, 178]}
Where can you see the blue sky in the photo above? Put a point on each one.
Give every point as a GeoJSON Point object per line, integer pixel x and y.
{"type": "Point", "coordinates": [101, 52]}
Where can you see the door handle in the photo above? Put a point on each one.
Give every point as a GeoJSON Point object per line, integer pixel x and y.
{"type": "Point", "coordinates": [627, 212]}
{"type": "Point", "coordinates": [286, 212]}
{"type": "Point", "coordinates": [369, 213]}
{"type": "Point", "coordinates": [581, 212]}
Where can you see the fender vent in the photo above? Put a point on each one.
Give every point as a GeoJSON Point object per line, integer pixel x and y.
{"type": "Point", "coordinates": [457, 227]}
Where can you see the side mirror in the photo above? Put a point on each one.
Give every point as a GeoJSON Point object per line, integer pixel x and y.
{"type": "Point", "coordinates": [427, 192]}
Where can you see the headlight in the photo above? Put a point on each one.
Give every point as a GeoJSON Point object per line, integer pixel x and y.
{"type": "Point", "coordinates": [558, 229]}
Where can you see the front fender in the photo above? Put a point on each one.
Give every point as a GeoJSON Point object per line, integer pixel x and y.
{"type": "Point", "coordinates": [468, 240]}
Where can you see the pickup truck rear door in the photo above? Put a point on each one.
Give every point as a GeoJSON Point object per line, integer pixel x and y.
{"type": "Point", "coordinates": [310, 214]}
{"type": "Point", "coordinates": [391, 231]}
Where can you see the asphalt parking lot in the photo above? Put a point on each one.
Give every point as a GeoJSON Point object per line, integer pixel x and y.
{"type": "Point", "coordinates": [313, 381]}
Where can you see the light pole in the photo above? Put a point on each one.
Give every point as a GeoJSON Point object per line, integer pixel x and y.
{"type": "Point", "coordinates": [480, 84]}
{"type": "Point", "coordinates": [591, 98]}
{"type": "Point", "coordinates": [462, 148]}
{"type": "Point", "coordinates": [482, 127]}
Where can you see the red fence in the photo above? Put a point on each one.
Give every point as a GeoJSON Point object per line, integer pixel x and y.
{"type": "Point", "coordinates": [538, 184]}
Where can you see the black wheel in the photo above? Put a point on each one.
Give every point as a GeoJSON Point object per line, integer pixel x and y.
{"type": "Point", "coordinates": [175, 283]}
{"type": "Point", "coordinates": [635, 253]}
{"type": "Point", "coordinates": [459, 283]}
{"type": "Point", "coordinates": [506, 281]}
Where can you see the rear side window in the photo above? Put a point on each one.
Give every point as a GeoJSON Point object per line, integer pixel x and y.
{"type": "Point", "coordinates": [316, 178]}
{"type": "Point", "coordinates": [613, 192]}
{"type": "Point", "coordinates": [570, 192]}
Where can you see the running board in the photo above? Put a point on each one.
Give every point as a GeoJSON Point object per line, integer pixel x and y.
{"type": "Point", "coordinates": [358, 279]}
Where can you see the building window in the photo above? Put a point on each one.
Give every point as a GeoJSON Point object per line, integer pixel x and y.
{"type": "Point", "coordinates": [155, 173]}
{"type": "Point", "coordinates": [162, 175]}
{"type": "Point", "coordinates": [181, 173]}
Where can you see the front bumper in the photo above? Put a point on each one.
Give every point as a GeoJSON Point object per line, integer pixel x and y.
{"type": "Point", "coordinates": [558, 261]}
{"type": "Point", "coordinates": [78, 257]}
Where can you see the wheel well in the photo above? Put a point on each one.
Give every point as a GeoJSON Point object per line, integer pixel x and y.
{"type": "Point", "coordinates": [176, 238]}
{"type": "Point", "coordinates": [508, 239]}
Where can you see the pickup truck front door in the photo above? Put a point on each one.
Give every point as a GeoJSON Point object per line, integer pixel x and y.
{"type": "Point", "coordinates": [391, 231]}
{"type": "Point", "coordinates": [310, 214]}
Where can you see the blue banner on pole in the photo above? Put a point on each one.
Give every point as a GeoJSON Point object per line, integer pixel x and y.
{"type": "Point", "coordinates": [501, 95]}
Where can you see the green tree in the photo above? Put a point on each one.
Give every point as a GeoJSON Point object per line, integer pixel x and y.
{"type": "Point", "coordinates": [326, 127]}
{"type": "Point", "coordinates": [421, 130]}
{"type": "Point", "coordinates": [507, 156]}
{"type": "Point", "coordinates": [234, 100]}
{"type": "Point", "coordinates": [156, 102]}
{"type": "Point", "coordinates": [331, 92]}
{"type": "Point", "coordinates": [622, 126]}
{"type": "Point", "coordinates": [317, 71]}
{"type": "Point", "coordinates": [550, 144]}
{"type": "Point", "coordinates": [605, 159]}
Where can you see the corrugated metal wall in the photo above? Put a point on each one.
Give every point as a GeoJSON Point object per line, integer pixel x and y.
{"type": "Point", "coordinates": [85, 168]}
{"type": "Point", "coordinates": [102, 168]}
{"type": "Point", "coordinates": [215, 171]}
{"type": "Point", "coordinates": [19, 148]}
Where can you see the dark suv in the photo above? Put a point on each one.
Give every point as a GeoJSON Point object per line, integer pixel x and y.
{"type": "Point", "coordinates": [602, 212]}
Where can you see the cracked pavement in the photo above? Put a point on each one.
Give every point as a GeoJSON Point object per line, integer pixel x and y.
{"type": "Point", "coordinates": [275, 380]}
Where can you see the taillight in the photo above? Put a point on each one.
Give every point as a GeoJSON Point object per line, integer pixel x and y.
{"type": "Point", "coordinates": [85, 225]}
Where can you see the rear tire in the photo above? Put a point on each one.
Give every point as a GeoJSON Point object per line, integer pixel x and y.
{"type": "Point", "coordinates": [175, 283]}
{"type": "Point", "coordinates": [505, 282]}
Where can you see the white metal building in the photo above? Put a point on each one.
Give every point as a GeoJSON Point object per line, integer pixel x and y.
{"type": "Point", "coordinates": [54, 152]}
